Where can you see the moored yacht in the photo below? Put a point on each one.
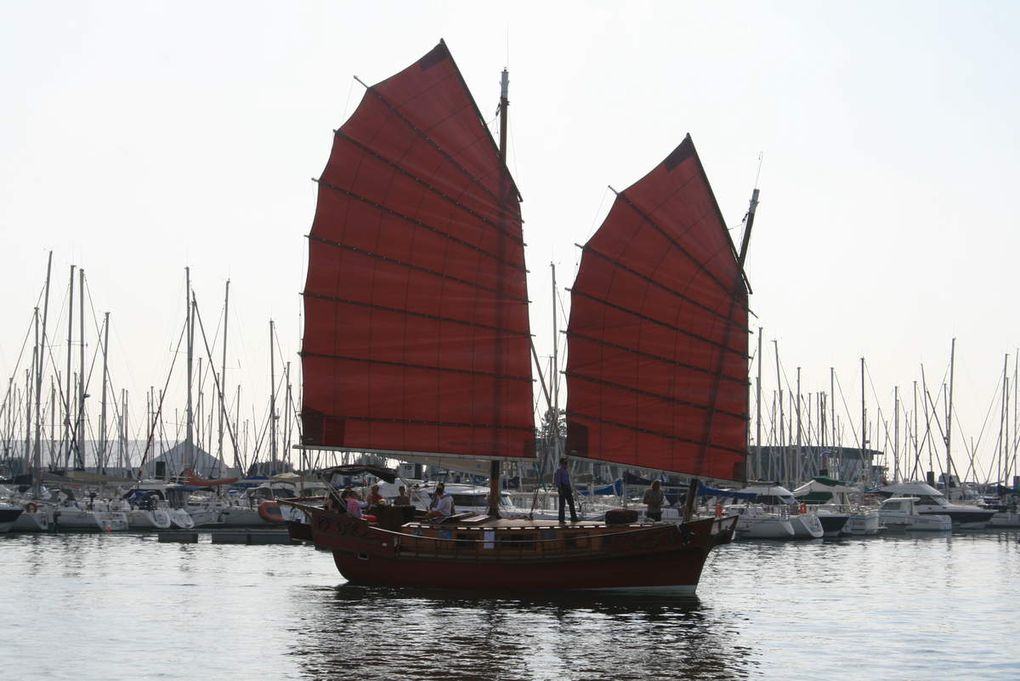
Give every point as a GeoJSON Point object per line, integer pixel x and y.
{"type": "Point", "coordinates": [805, 523]}
{"type": "Point", "coordinates": [933, 502]}
{"type": "Point", "coordinates": [901, 513]}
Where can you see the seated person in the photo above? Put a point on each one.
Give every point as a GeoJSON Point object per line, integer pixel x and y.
{"type": "Point", "coordinates": [402, 498]}
{"type": "Point", "coordinates": [354, 504]}
{"type": "Point", "coordinates": [374, 498]}
{"type": "Point", "coordinates": [441, 507]}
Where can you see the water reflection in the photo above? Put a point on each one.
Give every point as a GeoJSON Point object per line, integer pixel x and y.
{"type": "Point", "coordinates": [374, 633]}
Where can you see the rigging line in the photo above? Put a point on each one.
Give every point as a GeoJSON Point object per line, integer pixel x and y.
{"type": "Point", "coordinates": [846, 408]}
{"type": "Point", "coordinates": [981, 433]}
{"type": "Point", "coordinates": [157, 412]}
{"type": "Point", "coordinates": [17, 364]}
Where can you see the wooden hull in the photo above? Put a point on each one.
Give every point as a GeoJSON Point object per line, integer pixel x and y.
{"type": "Point", "coordinates": [486, 554]}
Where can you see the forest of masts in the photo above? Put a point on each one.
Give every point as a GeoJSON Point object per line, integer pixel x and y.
{"type": "Point", "coordinates": [50, 420]}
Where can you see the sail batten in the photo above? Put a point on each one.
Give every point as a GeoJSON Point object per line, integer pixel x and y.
{"type": "Point", "coordinates": [675, 328]}
{"type": "Point", "coordinates": [416, 324]}
{"type": "Point", "coordinates": [679, 294]}
{"type": "Point", "coordinates": [436, 190]}
{"type": "Point", "coordinates": [657, 363]}
{"type": "Point", "coordinates": [669, 400]}
{"type": "Point", "coordinates": [670, 361]}
{"type": "Point", "coordinates": [409, 265]}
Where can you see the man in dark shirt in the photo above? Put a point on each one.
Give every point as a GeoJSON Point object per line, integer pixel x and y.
{"type": "Point", "coordinates": [562, 481]}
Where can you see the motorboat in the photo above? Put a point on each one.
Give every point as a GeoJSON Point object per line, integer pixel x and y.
{"type": "Point", "coordinates": [931, 501]}
{"type": "Point", "coordinates": [902, 513]}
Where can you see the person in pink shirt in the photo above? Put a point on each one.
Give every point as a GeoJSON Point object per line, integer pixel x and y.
{"type": "Point", "coordinates": [353, 502]}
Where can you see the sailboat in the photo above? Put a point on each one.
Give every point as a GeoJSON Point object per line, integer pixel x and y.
{"type": "Point", "coordinates": [417, 346]}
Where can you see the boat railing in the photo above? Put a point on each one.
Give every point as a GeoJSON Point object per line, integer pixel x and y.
{"type": "Point", "coordinates": [524, 542]}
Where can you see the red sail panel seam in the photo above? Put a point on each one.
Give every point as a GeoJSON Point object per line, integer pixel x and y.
{"type": "Point", "coordinates": [672, 240]}
{"type": "Point", "coordinates": [410, 365]}
{"type": "Point", "coordinates": [431, 142]}
{"type": "Point", "coordinates": [665, 436]}
{"type": "Point", "coordinates": [435, 190]}
{"type": "Point", "coordinates": [657, 284]}
{"type": "Point", "coordinates": [444, 424]}
{"type": "Point", "coordinates": [657, 322]}
{"type": "Point", "coordinates": [423, 315]}
{"type": "Point", "coordinates": [413, 267]}
{"type": "Point", "coordinates": [419, 223]}
{"type": "Point", "coordinates": [652, 356]}
{"type": "Point", "coordinates": [645, 393]}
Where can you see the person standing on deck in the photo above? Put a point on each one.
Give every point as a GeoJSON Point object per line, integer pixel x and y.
{"type": "Point", "coordinates": [653, 499]}
{"type": "Point", "coordinates": [562, 481]}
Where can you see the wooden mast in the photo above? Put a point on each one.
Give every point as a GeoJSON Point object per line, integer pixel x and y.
{"type": "Point", "coordinates": [504, 103]}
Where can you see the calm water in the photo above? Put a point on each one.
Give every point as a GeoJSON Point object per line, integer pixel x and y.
{"type": "Point", "coordinates": [126, 607]}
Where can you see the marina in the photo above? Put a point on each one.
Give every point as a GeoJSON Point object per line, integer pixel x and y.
{"type": "Point", "coordinates": [487, 438]}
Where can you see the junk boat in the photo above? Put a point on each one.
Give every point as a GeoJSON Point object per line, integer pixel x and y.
{"type": "Point", "coordinates": [417, 346]}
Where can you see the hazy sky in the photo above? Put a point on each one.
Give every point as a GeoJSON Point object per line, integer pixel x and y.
{"type": "Point", "coordinates": [139, 138]}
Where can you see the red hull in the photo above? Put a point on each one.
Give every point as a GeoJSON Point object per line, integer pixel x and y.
{"type": "Point", "coordinates": [495, 557]}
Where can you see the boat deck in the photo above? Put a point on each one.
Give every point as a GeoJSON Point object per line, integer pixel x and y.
{"type": "Point", "coordinates": [489, 522]}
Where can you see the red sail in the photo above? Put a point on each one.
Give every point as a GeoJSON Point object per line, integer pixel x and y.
{"type": "Point", "coordinates": [416, 321]}
{"type": "Point", "coordinates": [657, 363]}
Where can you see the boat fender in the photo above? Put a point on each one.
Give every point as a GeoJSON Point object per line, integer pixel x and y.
{"type": "Point", "coordinates": [31, 507]}
{"type": "Point", "coordinates": [803, 507]}
{"type": "Point", "coordinates": [718, 510]}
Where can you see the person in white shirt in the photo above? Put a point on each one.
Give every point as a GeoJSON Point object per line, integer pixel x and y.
{"type": "Point", "coordinates": [442, 504]}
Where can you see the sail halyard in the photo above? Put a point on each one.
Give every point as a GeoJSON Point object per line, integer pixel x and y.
{"type": "Point", "coordinates": [657, 368]}
{"type": "Point", "coordinates": [417, 339]}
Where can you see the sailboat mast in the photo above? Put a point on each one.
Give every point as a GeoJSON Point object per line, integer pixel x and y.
{"type": "Point", "coordinates": [41, 343]}
{"type": "Point", "coordinates": [223, 370]}
{"type": "Point", "coordinates": [272, 398]}
{"type": "Point", "coordinates": [554, 375]}
{"type": "Point", "coordinates": [67, 392]}
{"type": "Point", "coordinates": [81, 375]}
{"type": "Point", "coordinates": [864, 432]}
{"type": "Point", "coordinates": [504, 103]}
{"type": "Point", "coordinates": [189, 450]}
{"type": "Point", "coordinates": [757, 432]}
{"type": "Point", "coordinates": [896, 436]}
{"type": "Point", "coordinates": [102, 411]}
{"type": "Point", "coordinates": [949, 419]}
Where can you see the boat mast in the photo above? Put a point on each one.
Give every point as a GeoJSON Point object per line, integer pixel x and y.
{"type": "Point", "coordinates": [800, 461]}
{"type": "Point", "coordinates": [189, 448]}
{"type": "Point", "coordinates": [782, 435]}
{"type": "Point", "coordinates": [80, 463]}
{"type": "Point", "coordinates": [223, 371]}
{"type": "Point", "coordinates": [554, 375]}
{"type": "Point", "coordinates": [896, 436]}
{"type": "Point", "coordinates": [864, 432]}
{"type": "Point", "coordinates": [41, 344]}
{"type": "Point", "coordinates": [101, 463]}
{"type": "Point", "coordinates": [504, 103]}
{"type": "Point", "coordinates": [949, 419]}
{"type": "Point", "coordinates": [67, 392]}
{"type": "Point", "coordinates": [272, 399]}
{"type": "Point", "coordinates": [757, 433]}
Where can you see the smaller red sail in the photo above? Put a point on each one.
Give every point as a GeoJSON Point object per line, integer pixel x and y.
{"type": "Point", "coordinates": [416, 320]}
{"type": "Point", "coordinates": [657, 336]}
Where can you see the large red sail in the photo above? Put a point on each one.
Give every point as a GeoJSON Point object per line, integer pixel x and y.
{"type": "Point", "coordinates": [657, 363]}
{"type": "Point", "coordinates": [416, 321]}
